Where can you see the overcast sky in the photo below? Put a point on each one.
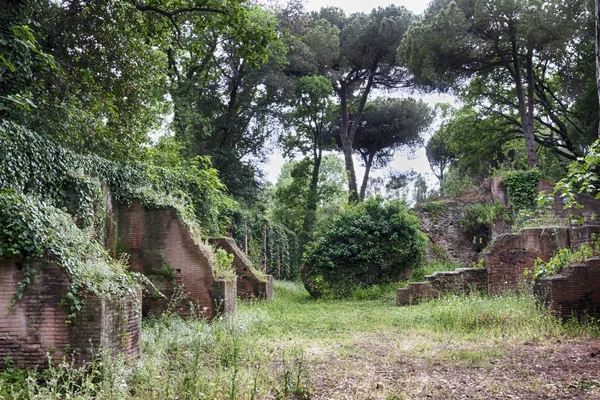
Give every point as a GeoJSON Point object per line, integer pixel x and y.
{"type": "Point", "coordinates": [350, 6]}
{"type": "Point", "coordinates": [401, 162]}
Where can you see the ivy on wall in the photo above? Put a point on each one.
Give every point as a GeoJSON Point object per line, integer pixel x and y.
{"type": "Point", "coordinates": [33, 230]}
{"type": "Point", "coordinates": [521, 187]}
{"type": "Point", "coordinates": [270, 246]}
{"type": "Point", "coordinates": [70, 181]}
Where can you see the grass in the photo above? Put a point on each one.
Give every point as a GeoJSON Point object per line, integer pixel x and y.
{"type": "Point", "coordinates": [272, 350]}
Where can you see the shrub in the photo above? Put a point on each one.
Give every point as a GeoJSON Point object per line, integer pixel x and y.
{"type": "Point", "coordinates": [477, 219]}
{"type": "Point", "coordinates": [369, 243]}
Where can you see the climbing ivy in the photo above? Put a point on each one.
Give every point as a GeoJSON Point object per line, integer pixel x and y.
{"type": "Point", "coordinates": [70, 181]}
{"type": "Point", "coordinates": [33, 230]}
{"type": "Point", "coordinates": [279, 255]}
{"type": "Point", "coordinates": [521, 187]}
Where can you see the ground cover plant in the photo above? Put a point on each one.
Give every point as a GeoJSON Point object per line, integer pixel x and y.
{"type": "Point", "coordinates": [472, 346]}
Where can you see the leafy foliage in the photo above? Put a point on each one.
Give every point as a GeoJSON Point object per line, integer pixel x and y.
{"type": "Point", "coordinates": [271, 246]}
{"type": "Point", "coordinates": [563, 259]}
{"type": "Point", "coordinates": [582, 177]}
{"type": "Point", "coordinates": [192, 189]}
{"type": "Point", "coordinates": [223, 264]}
{"type": "Point", "coordinates": [33, 230]}
{"type": "Point", "coordinates": [521, 187]}
{"type": "Point", "coordinates": [370, 243]}
{"type": "Point", "coordinates": [477, 221]}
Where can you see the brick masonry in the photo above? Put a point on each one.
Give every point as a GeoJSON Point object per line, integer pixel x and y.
{"type": "Point", "coordinates": [160, 246]}
{"type": "Point", "coordinates": [461, 280]}
{"type": "Point", "coordinates": [511, 254]}
{"type": "Point", "coordinates": [35, 327]}
{"type": "Point", "coordinates": [414, 292]}
{"type": "Point", "coordinates": [574, 292]}
{"type": "Point", "coordinates": [248, 284]}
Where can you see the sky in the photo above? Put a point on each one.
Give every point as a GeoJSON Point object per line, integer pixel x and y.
{"type": "Point", "coordinates": [402, 162]}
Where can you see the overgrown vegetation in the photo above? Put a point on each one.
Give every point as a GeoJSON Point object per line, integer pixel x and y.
{"type": "Point", "coordinates": [563, 258]}
{"type": "Point", "coordinates": [72, 180]}
{"type": "Point", "coordinates": [477, 220]}
{"type": "Point", "coordinates": [521, 187]}
{"type": "Point", "coordinates": [35, 231]}
{"type": "Point", "coordinates": [273, 349]}
{"type": "Point", "coordinates": [370, 243]}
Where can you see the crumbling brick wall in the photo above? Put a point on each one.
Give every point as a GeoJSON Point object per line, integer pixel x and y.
{"type": "Point", "coordinates": [574, 292]}
{"type": "Point", "coordinates": [511, 254]}
{"type": "Point", "coordinates": [248, 284]}
{"type": "Point", "coordinates": [159, 245]}
{"type": "Point", "coordinates": [414, 292]}
{"type": "Point", "coordinates": [36, 325]}
{"type": "Point", "coordinates": [461, 280]}
{"type": "Point", "coordinates": [445, 233]}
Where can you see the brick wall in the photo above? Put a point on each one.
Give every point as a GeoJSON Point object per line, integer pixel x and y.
{"type": "Point", "coordinates": [155, 240]}
{"type": "Point", "coordinates": [36, 325]}
{"type": "Point", "coordinates": [461, 280]}
{"type": "Point", "coordinates": [584, 234]}
{"type": "Point", "coordinates": [511, 254]}
{"type": "Point", "coordinates": [225, 295]}
{"type": "Point", "coordinates": [248, 284]}
{"type": "Point", "coordinates": [574, 292]}
{"type": "Point", "coordinates": [414, 292]}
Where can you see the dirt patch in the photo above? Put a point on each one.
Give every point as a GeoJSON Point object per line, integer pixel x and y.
{"type": "Point", "coordinates": [391, 365]}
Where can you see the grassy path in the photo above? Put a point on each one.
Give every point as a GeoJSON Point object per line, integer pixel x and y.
{"type": "Point", "coordinates": [459, 347]}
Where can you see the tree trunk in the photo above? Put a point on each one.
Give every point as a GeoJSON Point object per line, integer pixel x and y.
{"type": "Point", "coordinates": [365, 181]}
{"type": "Point", "coordinates": [598, 53]}
{"type": "Point", "coordinates": [347, 145]}
{"type": "Point", "coordinates": [313, 196]}
{"type": "Point", "coordinates": [525, 103]}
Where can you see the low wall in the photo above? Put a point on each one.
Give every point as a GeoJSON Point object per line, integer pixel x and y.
{"type": "Point", "coordinates": [574, 292]}
{"type": "Point", "coordinates": [461, 280]}
{"type": "Point", "coordinates": [248, 284]}
{"type": "Point", "coordinates": [414, 292]}
{"type": "Point", "coordinates": [511, 254]}
{"type": "Point", "coordinates": [584, 234]}
{"type": "Point", "coordinates": [36, 325]}
{"type": "Point", "coordinates": [160, 246]}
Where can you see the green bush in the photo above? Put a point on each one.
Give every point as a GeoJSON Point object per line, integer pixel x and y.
{"type": "Point", "coordinates": [477, 220]}
{"type": "Point", "coordinates": [369, 243]}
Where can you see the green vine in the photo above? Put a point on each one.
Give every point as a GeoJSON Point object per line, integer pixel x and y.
{"type": "Point", "coordinates": [521, 187]}
{"type": "Point", "coordinates": [563, 259]}
{"type": "Point", "coordinates": [71, 181]}
{"type": "Point", "coordinates": [33, 230]}
{"type": "Point", "coordinates": [282, 255]}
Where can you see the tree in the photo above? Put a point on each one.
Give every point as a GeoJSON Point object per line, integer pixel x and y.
{"type": "Point", "coordinates": [312, 119]}
{"type": "Point", "coordinates": [357, 53]}
{"type": "Point", "coordinates": [510, 42]}
{"type": "Point", "coordinates": [389, 124]}
{"type": "Point", "coordinates": [105, 90]}
{"type": "Point", "coordinates": [293, 193]}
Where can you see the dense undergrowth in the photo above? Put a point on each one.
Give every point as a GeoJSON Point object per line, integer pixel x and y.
{"type": "Point", "coordinates": [266, 351]}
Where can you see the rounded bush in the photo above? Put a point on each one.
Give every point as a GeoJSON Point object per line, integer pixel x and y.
{"type": "Point", "coordinates": [369, 243]}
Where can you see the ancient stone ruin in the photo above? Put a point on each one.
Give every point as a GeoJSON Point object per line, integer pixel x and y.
{"type": "Point", "coordinates": [160, 246]}
{"type": "Point", "coordinates": [511, 254]}
{"type": "Point", "coordinates": [35, 330]}
{"type": "Point", "coordinates": [510, 259]}
{"type": "Point", "coordinates": [249, 284]}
